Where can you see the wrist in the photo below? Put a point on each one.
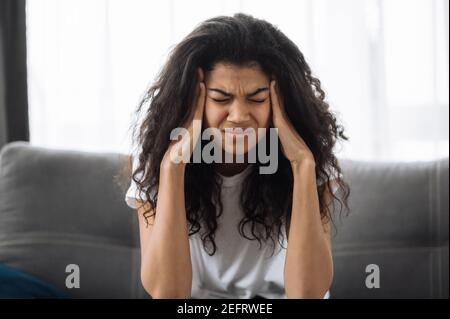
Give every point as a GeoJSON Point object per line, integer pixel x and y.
{"type": "Point", "coordinates": [303, 165]}
{"type": "Point", "coordinates": [167, 166]}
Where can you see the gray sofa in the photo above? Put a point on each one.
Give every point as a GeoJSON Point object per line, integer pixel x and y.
{"type": "Point", "coordinates": [66, 207]}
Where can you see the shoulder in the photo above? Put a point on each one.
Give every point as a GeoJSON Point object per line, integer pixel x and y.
{"type": "Point", "coordinates": [135, 190]}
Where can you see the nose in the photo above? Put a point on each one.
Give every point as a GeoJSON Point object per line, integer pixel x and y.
{"type": "Point", "coordinates": [238, 113]}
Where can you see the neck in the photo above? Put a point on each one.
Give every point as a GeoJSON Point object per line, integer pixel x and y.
{"type": "Point", "coordinates": [230, 169]}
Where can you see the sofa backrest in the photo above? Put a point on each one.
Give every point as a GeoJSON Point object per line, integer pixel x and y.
{"type": "Point", "coordinates": [64, 207]}
{"type": "Point", "coordinates": [398, 222]}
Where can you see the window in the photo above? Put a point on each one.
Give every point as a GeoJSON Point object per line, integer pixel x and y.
{"type": "Point", "coordinates": [382, 63]}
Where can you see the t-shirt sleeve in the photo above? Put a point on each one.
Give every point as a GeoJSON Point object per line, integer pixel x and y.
{"type": "Point", "coordinates": [133, 193]}
{"type": "Point", "coordinates": [333, 177]}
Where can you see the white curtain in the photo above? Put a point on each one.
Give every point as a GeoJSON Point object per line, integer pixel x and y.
{"type": "Point", "coordinates": [383, 64]}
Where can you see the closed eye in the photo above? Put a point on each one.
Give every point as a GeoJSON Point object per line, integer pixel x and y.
{"type": "Point", "coordinates": [226, 100]}
{"type": "Point", "coordinates": [220, 100]}
{"type": "Point", "coordinates": [258, 101]}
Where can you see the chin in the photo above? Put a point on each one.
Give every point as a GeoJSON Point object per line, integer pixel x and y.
{"type": "Point", "coordinates": [237, 146]}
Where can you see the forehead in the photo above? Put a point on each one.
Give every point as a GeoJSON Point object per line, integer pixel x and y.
{"type": "Point", "coordinates": [234, 77]}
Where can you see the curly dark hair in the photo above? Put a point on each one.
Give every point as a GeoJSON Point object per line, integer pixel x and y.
{"type": "Point", "coordinates": [266, 200]}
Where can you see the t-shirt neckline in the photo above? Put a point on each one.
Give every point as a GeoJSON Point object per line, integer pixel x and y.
{"type": "Point", "coordinates": [229, 181]}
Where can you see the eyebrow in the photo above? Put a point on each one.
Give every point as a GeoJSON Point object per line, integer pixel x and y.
{"type": "Point", "coordinates": [248, 95]}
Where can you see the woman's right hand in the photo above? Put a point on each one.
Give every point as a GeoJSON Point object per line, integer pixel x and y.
{"type": "Point", "coordinates": [166, 268]}
{"type": "Point", "coordinates": [184, 146]}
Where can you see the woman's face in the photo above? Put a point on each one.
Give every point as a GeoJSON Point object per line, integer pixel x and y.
{"type": "Point", "coordinates": [237, 98]}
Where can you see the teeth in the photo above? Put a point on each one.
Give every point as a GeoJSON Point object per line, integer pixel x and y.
{"type": "Point", "coordinates": [239, 130]}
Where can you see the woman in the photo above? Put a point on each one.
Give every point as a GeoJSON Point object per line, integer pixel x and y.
{"type": "Point", "coordinates": [217, 229]}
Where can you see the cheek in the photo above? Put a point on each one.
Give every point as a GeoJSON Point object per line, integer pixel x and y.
{"type": "Point", "coordinates": [214, 115]}
{"type": "Point", "coordinates": [262, 115]}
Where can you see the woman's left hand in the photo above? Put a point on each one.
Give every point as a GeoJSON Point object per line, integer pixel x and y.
{"type": "Point", "coordinates": [292, 145]}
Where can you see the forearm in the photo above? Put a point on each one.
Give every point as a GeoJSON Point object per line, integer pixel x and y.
{"type": "Point", "coordinates": [308, 267]}
{"type": "Point", "coordinates": [167, 268]}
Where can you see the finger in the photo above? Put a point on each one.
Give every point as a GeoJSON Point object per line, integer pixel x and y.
{"type": "Point", "coordinates": [188, 141]}
{"type": "Point", "coordinates": [198, 102]}
{"type": "Point", "coordinates": [200, 75]}
{"type": "Point", "coordinates": [201, 96]}
{"type": "Point", "coordinates": [197, 105]}
{"type": "Point", "coordinates": [276, 109]}
{"type": "Point", "coordinates": [196, 123]}
{"type": "Point", "coordinates": [193, 108]}
{"type": "Point", "coordinates": [198, 115]}
{"type": "Point", "coordinates": [200, 107]}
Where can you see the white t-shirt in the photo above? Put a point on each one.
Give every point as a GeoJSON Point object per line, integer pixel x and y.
{"type": "Point", "coordinates": [239, 268]}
